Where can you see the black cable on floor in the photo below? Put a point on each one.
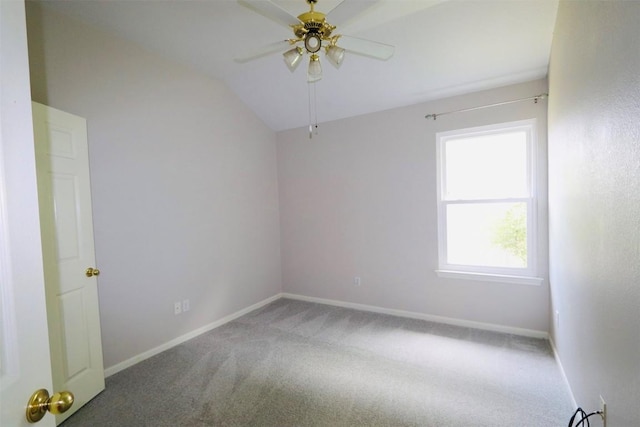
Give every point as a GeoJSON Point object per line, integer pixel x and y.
{"type": "Point", "coordinates": [584, 417]}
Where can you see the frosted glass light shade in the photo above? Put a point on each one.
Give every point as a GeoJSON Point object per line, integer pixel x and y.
{"type": "Point", "coordinates": [314, 73]}
{"type": "Point", "coordinates": [335, 55]}
{"type": "Point", "coordinates": [293, 58]}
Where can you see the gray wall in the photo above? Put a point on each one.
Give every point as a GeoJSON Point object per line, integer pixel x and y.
{"type": "Point", "coordinates": [359, 199]}
{"type": "Point", "coordinates": [594, 203]}
{"type": "Point", "coordinates": [184, 184]}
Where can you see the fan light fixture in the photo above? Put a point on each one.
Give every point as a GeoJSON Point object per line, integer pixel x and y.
{"type": "Point", "coordinates": [314, 73]}
{"type": "Point", "coordinates": [293, 58]}
{"type": "Point", "coordinates": [335, 55]}
{"type": "Point", "coordinates": [313, 30]}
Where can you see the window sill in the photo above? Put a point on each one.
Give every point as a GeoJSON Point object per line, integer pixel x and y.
{"type": "Point", "coordinates": [484, 277]}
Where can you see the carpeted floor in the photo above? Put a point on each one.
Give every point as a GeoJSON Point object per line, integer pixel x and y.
{"type": "Point", "coordinates": [295, 363]}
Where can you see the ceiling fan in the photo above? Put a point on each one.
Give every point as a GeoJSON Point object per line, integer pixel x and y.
{"type": "Point", "coordinates": [314, 32]}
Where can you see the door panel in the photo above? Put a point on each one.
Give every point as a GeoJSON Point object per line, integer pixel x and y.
{"type": "Point", "coordinates": [66, 219]}
{"type": "Point", "coordinates": [76, 354]}
{"type": "Point", "coordinates": [68, 250]}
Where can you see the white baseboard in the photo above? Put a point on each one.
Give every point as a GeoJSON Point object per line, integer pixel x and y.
{"type": "Point", "coordinates": [174, 342]}
{"type": "Point", "coordinates": [564, 375]}
{"type": "Point", "coordinates": [413, 315]}
{"type": "Point", "coordinates": [401, 313]}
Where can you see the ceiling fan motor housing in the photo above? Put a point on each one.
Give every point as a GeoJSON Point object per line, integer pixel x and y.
{"type": "Point", "coordinates": [313, 29]}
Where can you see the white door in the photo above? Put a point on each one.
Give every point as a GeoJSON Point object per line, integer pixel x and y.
{"type": "Point", "coordinates": [24, 341]}
{"type": "Point", "coordinates": [68, 252]}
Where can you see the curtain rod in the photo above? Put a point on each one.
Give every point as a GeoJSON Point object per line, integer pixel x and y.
{"type": "Point", "coordinates": [535, 98]}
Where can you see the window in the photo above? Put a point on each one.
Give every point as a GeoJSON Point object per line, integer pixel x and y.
{"type": "Point", "coordinates": [487, 202]}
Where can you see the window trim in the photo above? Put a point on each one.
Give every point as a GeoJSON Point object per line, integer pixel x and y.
{"type": "Point", "coordinates": [486, 273]}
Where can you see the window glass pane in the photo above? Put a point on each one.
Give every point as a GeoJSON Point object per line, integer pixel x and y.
{"type": "Point", "coordinates": [485, 167]}
{"type": "Point", "coordinates": [487, 234]}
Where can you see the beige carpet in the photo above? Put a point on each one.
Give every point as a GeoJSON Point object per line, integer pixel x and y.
{"type": "Point", "coordinates": [295, 363]}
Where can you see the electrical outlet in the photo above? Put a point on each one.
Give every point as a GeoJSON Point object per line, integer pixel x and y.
{"type": "Point", "coordinates": [357, 281]}
{"type": "Point", "coordinates": [185, 305]}
{"type": "Point", "coordinates": [557, 319]}
{"type": "Point", "coordinates": [603, 411]}
{"type": "Point", "coordinates": [177, 308]}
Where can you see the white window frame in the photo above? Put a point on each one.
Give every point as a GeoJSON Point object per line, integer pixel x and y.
{"type": "Point", "coordinates": [487, 273]}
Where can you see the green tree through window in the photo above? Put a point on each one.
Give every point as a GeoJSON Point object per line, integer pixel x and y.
{"type": "Point", "coordinates": [510, 232]}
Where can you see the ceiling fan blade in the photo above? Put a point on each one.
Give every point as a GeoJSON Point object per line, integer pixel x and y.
{"type": "Point", "coordinates": [271, 10]}
{"type": "Point", "coordinates": [259, 52]}
{"type": "Point", "coordinates": [347, 10]}
{"type": "Point", "coordinates": [366, 47]}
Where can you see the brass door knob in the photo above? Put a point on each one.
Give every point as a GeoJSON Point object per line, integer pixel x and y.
{"type": "Point", "coordinates": [90, 272]}
{"type": "Point", "coordinates": [40, 403]}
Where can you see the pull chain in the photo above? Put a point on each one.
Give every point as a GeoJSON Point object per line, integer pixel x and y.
{"type": "Point", "coordinates": [313, 128]}
{"type": "Point", "coordinates": [315, 108]}
{"type": "Point", "coordinates": [310, 126]}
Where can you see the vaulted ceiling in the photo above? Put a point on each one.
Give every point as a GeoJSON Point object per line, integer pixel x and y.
{"type": "Point", "coordinates": [442, 48]}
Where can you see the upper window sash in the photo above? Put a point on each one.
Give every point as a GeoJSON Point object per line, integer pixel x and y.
{"type": "Point", "coordinates": [447, 191]}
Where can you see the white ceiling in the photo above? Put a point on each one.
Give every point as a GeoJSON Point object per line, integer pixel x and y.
{"type": "Point", "coordinates": [443, 48]}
